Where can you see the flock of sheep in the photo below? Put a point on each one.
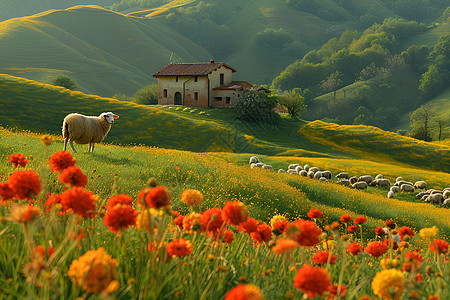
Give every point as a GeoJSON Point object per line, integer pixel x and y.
{"type": "Point", "coordinates": [441, 197]}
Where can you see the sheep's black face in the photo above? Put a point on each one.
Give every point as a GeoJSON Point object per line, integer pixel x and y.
{"type": "Point", "coordinates": [109, 117]}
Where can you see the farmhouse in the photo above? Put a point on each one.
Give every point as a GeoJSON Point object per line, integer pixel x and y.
{"type": "Point", "coordinates": [200, 84]}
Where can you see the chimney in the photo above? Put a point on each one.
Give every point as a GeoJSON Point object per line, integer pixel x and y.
{"type": "Point", "coordinates": [212, 61]}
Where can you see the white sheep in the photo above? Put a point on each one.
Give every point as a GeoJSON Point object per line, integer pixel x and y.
{"type": "Point", "coordinates": [314, 169]}
{"type": "Point", "coordinates": [292, 166]}
{"type": "Point", "coordinates": [344, 182]}
{"type": "Point", "coordinates": [399, 179]}
{"type": "Point", "coordinates": [282, 171]}
{"type": "Point", "coordinates": [303, 173]}
{"type": "Point", "coordinates": [446, 194]}
{"type": "Point", "coordinates": [342, 175]}
{"type": "Point", "coordinates": [83, 129]}
{"type": "Point", "coordinates": [384, 182]}
{"type": "Point", "coordinates": [267, 167]}
{"type": "Point", "coordinates": [327, 174]}
{"type": "Point", "coordinates": [420, 185]}
{"type": "Point", "coordinates": [360, 185]}
{"type": "Point", "coordinates": [298, 169]}
{"type": "Point", "coordinates": [395, 189]}
{"type": "Point", "coordinates": [317, 175]}
{"type": "Point", "coordinates": [253, 160]}
{"type": "Point", "coordinates": [390, 194]}
{"type": "Point", "coordinates": [406, 188]}
{"type": "Point", "coordinates": [379, 176]}
{"type": "Point", "coordinates": [435, 198]}
{"type": "Point", "coordinates": [367, 178]}
{"type": "Point", "coordinates": [306, 168]}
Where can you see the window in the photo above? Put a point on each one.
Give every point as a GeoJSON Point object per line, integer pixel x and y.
{"type": "Point", "coordinates": [165, 93]}
{"type": "Point", "coordinates": [228, 100]}
{"type": "Point", "coordinates": [218, 98]}
{"type": "Point", "coordinates": [176, 79]}
{"type": "Point", "coordinates": [195, 95]}
{"type": "Point", "coordinates": [195, 78]}
{"type": "Point", "coordinates": [222, 79]}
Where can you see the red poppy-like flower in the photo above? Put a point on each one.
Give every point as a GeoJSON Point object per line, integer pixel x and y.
{"type": "Point", "coordinates": [419, 277]}
{"type": "Point", "coordinates": [17, 159]}
{"type": "Point", "coordinates": [413, 255]}
{"type": "Point", "coordinates": [24, 214]}
{"type": "Point", "coordinates": [321, 258]}
{"type": "Point", "coordinates": [376, 249]}
{"type": "Point", "coordinates": [54, 199]}
{"type": "Point", "coordinates": [380, 231]}
{"type": "Point", "coordinates": [315, 214]}
{"type": "Point", "coordinates": [80, 201]}
{"type": "Point", "coordinates": [25, 184]}
{"type": "Point", "coordinates": [309, 232]}
{"type": "Point", "coordinates": [157, 197]}
{"type": "Point", "coordinates": [234, 212]}
{"type": "Point", "coordinates": [119, 199]}
{"type": "Point", "coordinates": [228, 237]}
{"type": "Point", "coordinates": [212, 219]}
{"type": "Point", "coordinates": [73, 176]}
{"type": "Point", "coordinates": [394, 244]}
{"type": "Point", "coordinates": [352, 228]}
{"type": "Point", "coordinates": [389, 224]}
{"type": "Point", "coordinates": [249, 226]}
{"type": "Point", "coordinates": [61, 160]}
{"type": "Point", "coordinates": [312, 281]}
{"type": "Point", "coordinates": [179, 247]}
{"type": "Point", "coordinates": [120, 217]}
{"type": "Point", "coordinates": [262, 234]}
{"type": "Point", "coordinates": [345, 219]}
{"type": "Point", "coordinates": [439, 246]}
{"type": "Point", "coordinates": [360, 220]}
{"type": "Point", "coordinates": [281, 226]}
{"type": "Point", "coordinates": [354, 248]}
{"type": "Point", "coordinates": [41, 251]}
{"type": "Point", "coordinates": [333, 291]}
{"type": "Point", "coordinates": [405, 231]}
{"type": "Point", "coordinates": [244, 292]}
{"type": "Point", "coordinates": [6, 192]}
{"type": "Point", "coordinates": [178, 221]}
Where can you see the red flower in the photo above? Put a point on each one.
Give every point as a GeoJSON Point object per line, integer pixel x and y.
{"type": "Point", "coordinates": [120, 217]}
{"type": "Point", "coordinates": [234, 212]}
{"type": "Point", "coordinates": [380, 231]}
{"type": "Point", "coordinates": [333, 291]}
{"type": "Point", "coordinates": [178, 221]}
{"type": "Point", "coordinates": [345, 218]}
{"type": "Point", "coordinates": [6, 192]}
{"type": "Point", "coordinates": [315, 214]}
{"type": "Point", "coordinates": [157, 197]}
{"type": "Point", "coordinates": [61, 160]}
{"type": "Point", "coordinates": [119, 199]}
{"type": "Point", "coordinates": [244, 292]}
{"type": "Point", "coordinates": [179, 247]}
{"type": "Point", "coordinates": [79, 200]}
{"type": "Point", "coordinates": [309, 232]}
{"type": "Point", "coordinates": [228, 237]}
{"type": "Point", "coordinates": [17, 159]}
{"type": "Point", "coordinates": [25, 184]}
{"type": "Point", "coordinates": [439, 246]}
{"type": "Point", "coordinates": [321, 258]}
{"type": "Point", "coordinates": [249, 226]}
{"type": "Point", "coordinates": [394, 244]}
{"type": "Point", "coordinates": [262, 233]}
{"type": "Point", "coordinates": [413, 255]}
{"type": "Point", "coordinates": [281, 226]}
{"type": "Point", "coordinates": [73, 176]}
{"type": "Point", "coordinates": [312, 281]}
{"type": "Point", "coordinates": [376, 249]}
{"type": "Point", "coordinates": [389, 224]}
{"type": "Point", "coordinates": [52, 200]}
{"type": "Point", "coordinates": [405, 231]}
{"type": "Point", "coordinates": [352, 228]}
{"type": "Point", "coordinates": [354, 248]}
{"type": "Point", "coordinates": [212, 219]}
{"type": "Point", "coordinates": [360, 220]}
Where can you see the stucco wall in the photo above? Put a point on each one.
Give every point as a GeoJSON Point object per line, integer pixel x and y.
{"type": "Point", "coordinates": [186, 85]}
{"type": "Point", "coordinates": [233, 94]}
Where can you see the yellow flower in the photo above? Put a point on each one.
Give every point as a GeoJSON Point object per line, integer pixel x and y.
{"type": "Point", "coordinates": [276, 218]}
{"type": "Point", "coordinates": [143, 222]}
{"type": "Point", "coordinates": [46, 140]}
{"type": "Point", "coordinates": [192, 222]}
{"type": "Point", "coordinates": [388, 284]}
{"type": "Point", "coordinates": [94, 271]}
{"type": "Point", "coordinates": [192, 197]}
{"type": "Point", "coordinates": [429, 233]}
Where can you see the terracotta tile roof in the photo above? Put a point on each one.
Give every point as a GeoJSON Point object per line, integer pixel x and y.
{"type": "Point", "coordinates": [194, 69]}
{"type": "Point", "coordinates": [235, 85]}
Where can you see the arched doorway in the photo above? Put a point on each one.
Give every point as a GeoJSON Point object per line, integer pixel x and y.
{"type": "Point", "coordinates": [178, 99]}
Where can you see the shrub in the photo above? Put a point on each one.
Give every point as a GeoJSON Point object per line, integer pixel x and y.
{"type": "Point", "coordinates": [147, 95]}
{"type": "Point", "coordinates": [256, 107]}
{"type": "Point", "coordinates": [293, 102]}
{"type": "Point", "coordinates": [65, 82]}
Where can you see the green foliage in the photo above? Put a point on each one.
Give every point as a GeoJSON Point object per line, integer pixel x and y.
{"type": "Point", "coordinates": [256, 107]}
{"type": "Point", "coordinates": [332, 83]}
{"type": "Point", "coordinates": [148, 95]}
{"type": "Point", "coordinates": [421, 121]}
{"type": "Point", "coordinates": [126, 4]}
{"type": "Point", "coordinates": [65, 82]}
{"type": "Point", "coordinates": [276, 39]}
{"type": "Point", "coordinates": [446, 15]}
{"type": "Point", "coordinates": [293, 102]}
{"type": "Point", "coordinates": [416, 57]}
{"type": "Point", "coordinates": [122, 97]}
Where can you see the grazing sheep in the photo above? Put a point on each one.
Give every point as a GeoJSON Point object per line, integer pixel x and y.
{"type": "Point", "coordinates": [399, 179]}
{"type": "Point", "coordinates": [342, 175]}
{"type": "Point", "coordinates": [353, 180]}
{"type": "Point", "coordinates": [446, 201]}
{"type": "Point", "coordinates": [379, 176]}
{"type": "Point", "coordinates": [406, 188]}
{"type": "Point", "coordinates": [306, 168]}
{"type": "Point", "coordinates": [268, 167]}
{"type": "Point", "coordinates": [327, 174]}
{"type": "Point", "coordinates": [310, 174]}
{"type": "Point", "coordinates": [344, 182]}
{"type": "Point", "coordinates": [314, 169]}
{"type": "Point", "coordinates": [260, 164]}
{"type": "Point", "coordinates": [446, 194]}
{"type": "Point", "coordinates": [292, 166]}
{"type": "Point", "coordinates": [399, 183]}
{"type": "Point", "coordinates": [323, 179]}
{"type": "Point", "coordinates": [395, 189]}
{"type": "Point", "coordinates": [390, 194]}
{"type": "Point", "coordinates": [317, 175]}
{"type": "Point", "coordinates": [253, 165]}
{"type": "Point", "coordinates": [420, 195]}
{"type": "Point", "coordinates": [424, 197]}
{"type": "Point", "coordinates": [360, 185]}
{"type": "Point", "coordinates": [446, 189]}
{"type": "Point", "coordinates": [436, 192]}
{"type": "Point", "coordinates": [435, 198]}
{"type": "Point", "coordinates": [253, 160]}
{"type": "Point", "coordinates": [292, 171]}
{"type": "Point", "coordinates": [384, 182]}
{"type": "Point", "coordinates": [367, 178]}
{"type": "Point", "coordinates": [83, 129]}
{"type": "Point", "coordinates": [298, 169]}
{"type": "Point", "coordinates": [303, 173]}
{"type": "Point", "coordinates": [282, 171]}
{"type": "Point", "coordinates": [422, 185]}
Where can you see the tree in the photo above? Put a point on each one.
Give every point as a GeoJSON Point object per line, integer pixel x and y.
{"type": "Point", "coordinates": [293, 102]}
{"type": "Point", "coordinates": [65, 82]}
{"type": "Point", "coordinates": [256, 107]}
{"type": "Point", "coordinates": [421, 120]}
{"type": "Point", "coordinates": [332, 83]}
{"type": "Point", "coordinates": [440, 125]}
{"type": "Point", "coordinates": [147, 95]}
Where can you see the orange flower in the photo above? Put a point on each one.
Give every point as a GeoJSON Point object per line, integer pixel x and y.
{"type": "Point", "coordinates": [234, 212]}
{"type": "Point", "coordinates": [120, 217]}
{"type": "Point", "coordinates": [119, 199]}
{"type": "Point", "coordinates": [354, 248]}
{"type": "Point", "coordinates": [309, 232]}
{"type": "Point", "coordinates": [80, 201]}
{"type": "Point", "coordinates": [389, 224]}
{"type": "Point", "coordinates": [61, 160]}
{"type": "Point", "coordinates": [394, 244]}
{"type": "Point", "coordinates": [191, 197]}
{"type": "Point", "coordinates": [376, 249]}
{"type": "Point", "coordinates": [157, 197]}
{"type": "Point", "coordinates": [439, 246]}
{"type": "Point", "coordinates": [345, 218]}
{"type": "Point", "coordinates": [360, 220]}
{"type": "Point", "coordinates": [94, 271]}
{"type": "Point", "coordinates": [24, 214]}
{"type": "Point", "coordinates": [179, 247]}
{"type": "Point", "coordinates": [312, 281]}
{"type": "Point", "coordinates": [73, 176]}
{"type": "Point", "coordinates": [192, 222]}
{"type": "Point", "coordinates": [178, 221]}
{"type": "Point", "coordinates": [262, 234]}
{"type": "Point", "coordinates": [25, 184]}
{"type": "Point", "coordinates": [333, 291]}
{"type": "Point", "coordinates": [46, 140]}
{"type": "Point", "coordinates": [6, 192]}
{"type": "Point", "coordinates": [380, 231]}
{"type": "Point", "coordinates": [321, 258]}
{"type": "Point", "coordinates": [17, 159]}
{"type": "Point", "coordinates": [280, 226]}
{"type": "Point", "coordinates": [315, 214]}
{"type": "Point", "coordinates": [228, 237]}
{"type": "Point", "coordinates": [414, 256]}
{"type": "Point", "coordinates": [211, 219]}
{"type": "Point", "coordinates": [249, 226]}
{"type": "Point", "coordinates": [405, 231]}
{"type": "Point", "coordinates": [244, 292]}
{"type": "Point", "coordinates": [284, 246]}
{"type": "Point", "coordinates": [352, 228]}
